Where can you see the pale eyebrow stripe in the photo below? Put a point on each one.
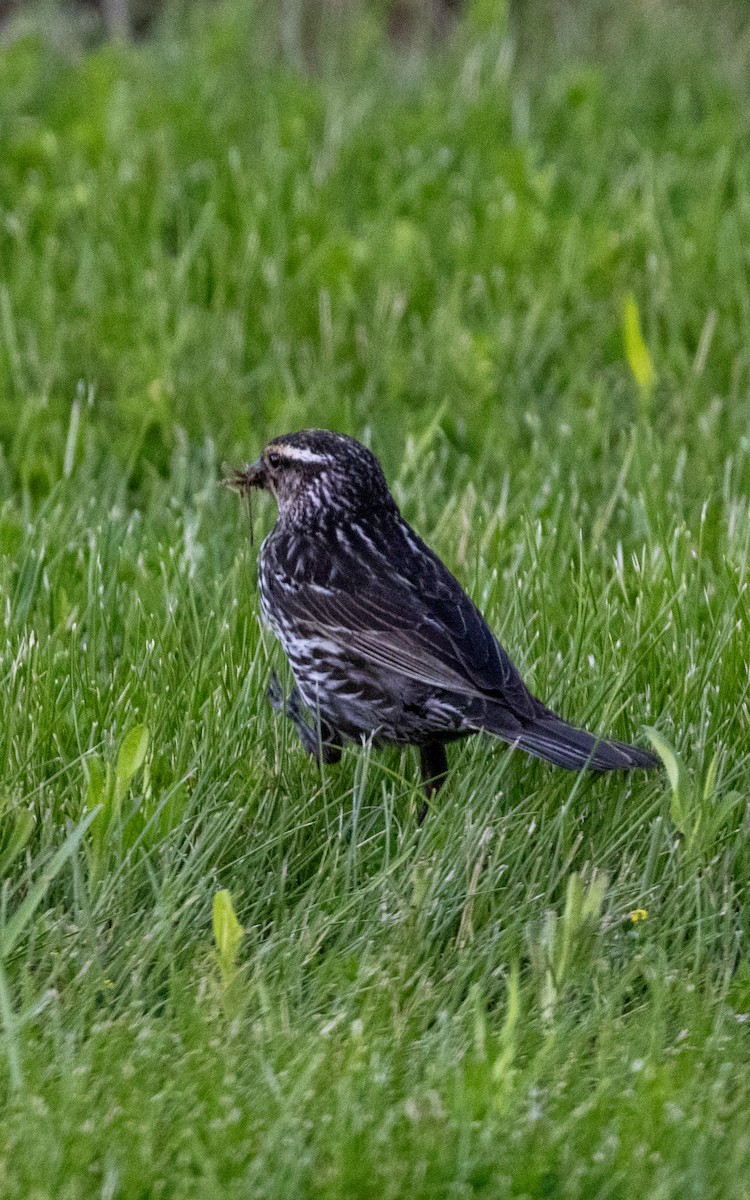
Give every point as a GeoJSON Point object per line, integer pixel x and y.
{"type": "Point", "coordinates": [299, 453]}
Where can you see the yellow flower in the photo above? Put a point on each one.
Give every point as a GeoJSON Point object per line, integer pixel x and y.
{"type": "Point", "coordinates": [639, 914]}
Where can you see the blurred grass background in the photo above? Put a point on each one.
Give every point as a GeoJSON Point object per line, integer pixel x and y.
{"type": "Point", "coordinates": [507, 246]}
{"type": "Point", "coordinates": [198, 225]}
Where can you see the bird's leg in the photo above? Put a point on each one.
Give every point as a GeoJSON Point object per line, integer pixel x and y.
{"type": "Point", "coordinates": [320, 741]}
{"type": "Point", "coordinates": [433, 762]}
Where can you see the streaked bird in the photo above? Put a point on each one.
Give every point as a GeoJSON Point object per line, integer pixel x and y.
{"type": "Point", "coordinates": [382, 640]}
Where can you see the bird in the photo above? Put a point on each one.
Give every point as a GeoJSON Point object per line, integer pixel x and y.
{"type": "Point", "coordinates": [383, 642]}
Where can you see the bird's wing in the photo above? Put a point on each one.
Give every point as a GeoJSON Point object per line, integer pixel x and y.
{"type": "Point", "coordinates": [438, 638]}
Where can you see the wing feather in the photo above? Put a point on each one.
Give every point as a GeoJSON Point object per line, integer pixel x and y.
{"type": "Point", "coordinates": [439, 640]}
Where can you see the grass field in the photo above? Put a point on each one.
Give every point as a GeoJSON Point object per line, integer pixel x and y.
{"type": "Point", "coordinates": [517, 266]}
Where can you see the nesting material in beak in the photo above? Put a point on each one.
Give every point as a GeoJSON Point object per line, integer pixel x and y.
{"type": "Point", "coordinates": [244, 479]}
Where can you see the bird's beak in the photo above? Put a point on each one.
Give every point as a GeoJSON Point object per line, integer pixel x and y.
{"type": "Point", "coordinates": [244, 479]}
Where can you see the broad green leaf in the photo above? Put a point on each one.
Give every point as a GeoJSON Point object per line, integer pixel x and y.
{"type": "Point", "coordinates": [636, 350]}
{"type": "Point", "coordinates": [569, 925]}
{"type": "Point", "coordinates": [130, 759]}
{"type": "Point", "coordinates": [709, 785]}
{"type": "Point", "coordinates": [582, 912]}
{"type": "Point", "coordinates": [679, 807]}
{"type": "Point", "coordinates": [95, 787]}
{"type": "Point", "coordinates": [228, 932]}
{"type": "Point", "coordinates": [594, 899]}
{"type": "Point", "coordinates": [573, 901]}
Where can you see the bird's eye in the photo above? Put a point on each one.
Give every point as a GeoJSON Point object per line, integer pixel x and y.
{"type": "Point", "coordinates": [274, 459]}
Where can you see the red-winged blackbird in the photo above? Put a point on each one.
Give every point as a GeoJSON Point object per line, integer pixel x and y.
{"type": "Point", "coordinates": [382, 640]}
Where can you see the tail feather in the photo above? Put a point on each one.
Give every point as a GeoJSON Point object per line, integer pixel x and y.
{"type": "Point", "coordinates": [565, 745]}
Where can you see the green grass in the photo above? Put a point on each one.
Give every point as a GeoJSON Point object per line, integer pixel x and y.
{"type": "Point", "coordinates": [203, 244]}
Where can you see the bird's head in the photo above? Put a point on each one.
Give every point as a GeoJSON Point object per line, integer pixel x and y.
{"type": "Point", "coordinates": [316, 472]}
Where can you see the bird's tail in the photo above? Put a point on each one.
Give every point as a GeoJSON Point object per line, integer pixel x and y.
{"type": "Point", "coordinates": [551, 738]}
